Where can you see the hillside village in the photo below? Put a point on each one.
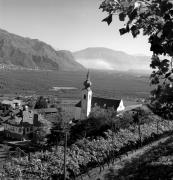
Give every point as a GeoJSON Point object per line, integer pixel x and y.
{"type": "Point", "coordinates": [92, 125]}
{"type": "Point", "coordinates": [20, 121]}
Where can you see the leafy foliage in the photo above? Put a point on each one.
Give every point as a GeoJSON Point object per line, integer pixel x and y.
{"type": "Point", "coordinates": [59, 125]}
{"type": "Point", "coordinates": [41, 103]}
{"type": "Point", "coordinates": [98, 122]}
{"type": "Point", "coordinates": [153, 18]}
{"type": "Point", "coordinates": [39, 137]}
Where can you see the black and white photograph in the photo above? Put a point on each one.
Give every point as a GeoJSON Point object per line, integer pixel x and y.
{"type": "Point", "coordinates": [86, 89]}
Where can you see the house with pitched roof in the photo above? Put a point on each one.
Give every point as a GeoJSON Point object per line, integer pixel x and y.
{"type": "Point", "coordinates": [16, 129]}
{"type": "Point", "coordinates": [87, 102]}
{"type": "Point", "coordinates": [21, 125]}
{"type": "Point", "coordinates": [13, 103]}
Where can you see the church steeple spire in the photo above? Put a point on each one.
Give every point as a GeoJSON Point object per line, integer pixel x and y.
{"type": "Point", "coordinates": [87, 83]}
{"type": "Point", "coordinates": [88, 75]}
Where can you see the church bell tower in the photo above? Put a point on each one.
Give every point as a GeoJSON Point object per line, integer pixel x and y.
{"type": "Point", "coordinates": [86, 98]}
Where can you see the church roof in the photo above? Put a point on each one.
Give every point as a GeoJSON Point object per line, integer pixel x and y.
{"type": "Point", "coordinates": [102, 102]}
{"type": "Point", "coordinates": [105, 103]}
{"type": "Point", "coordinates": [16, 122]}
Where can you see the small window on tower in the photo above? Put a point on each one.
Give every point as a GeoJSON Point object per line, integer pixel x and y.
{"type": "Point", "coordinates": [84, 96]}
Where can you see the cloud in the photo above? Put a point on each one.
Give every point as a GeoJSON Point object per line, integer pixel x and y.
{"type": "Point", "coordinates": [95, 64]}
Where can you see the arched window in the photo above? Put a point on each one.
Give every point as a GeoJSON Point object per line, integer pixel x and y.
{"type": "Point", "coordinates": [84, 96]}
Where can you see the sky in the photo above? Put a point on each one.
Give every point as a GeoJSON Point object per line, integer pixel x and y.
{"type": "Point", "coordinates": [67, 24]}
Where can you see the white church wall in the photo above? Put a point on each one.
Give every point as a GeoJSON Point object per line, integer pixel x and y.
{"type": "Point", "coordinates": [89, 103]}
{"type": "Point", "coordinates": [86, 103]}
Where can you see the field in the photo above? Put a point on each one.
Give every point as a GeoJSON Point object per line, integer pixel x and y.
{"type": "Point", "coordinates": [107, 84]}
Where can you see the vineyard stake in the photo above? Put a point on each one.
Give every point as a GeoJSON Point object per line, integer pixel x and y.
{"type": "Point", "coordinates": [65, 149]}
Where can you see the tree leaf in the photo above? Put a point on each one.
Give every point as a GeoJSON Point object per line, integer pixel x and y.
{"type": "Point", "coordinates": [108, 19]}
{"type": "Point", "coordinates": [167, 75]}
{"type": "Point", "coordinates": [122, 16]}
{"type": "Point", "coordinates": [133, 14]}
{"type": "Point", "coordinates": [123, 31]}
{"type": "Point", "coordinates": [135, 31]}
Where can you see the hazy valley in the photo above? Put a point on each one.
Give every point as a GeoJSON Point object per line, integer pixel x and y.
{"type": "Point", "coordinates": [108, 59]}
{"type": "Point", "coordinates": [30, 66]}
{"type": "Point", "coordinates": [106, 84]}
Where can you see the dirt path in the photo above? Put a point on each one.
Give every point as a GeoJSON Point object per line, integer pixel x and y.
{"type": "Point", "coordinates": [96, 174]}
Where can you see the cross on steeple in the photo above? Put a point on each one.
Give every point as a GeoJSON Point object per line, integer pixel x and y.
{"type": "Point", "coordinates": [88, 75]}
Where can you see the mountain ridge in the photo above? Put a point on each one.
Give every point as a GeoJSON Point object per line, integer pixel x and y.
{"type": "Point", "coordinates": [34, 54]}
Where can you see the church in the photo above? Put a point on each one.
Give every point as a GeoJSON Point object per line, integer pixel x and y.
{"type": "Point", "coordinates": [87, 102]}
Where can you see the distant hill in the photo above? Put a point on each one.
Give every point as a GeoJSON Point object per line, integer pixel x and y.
{"type": "Point", "coordinates": [34, 54]}
{"type": "Point", "coordinates": [104, 58]}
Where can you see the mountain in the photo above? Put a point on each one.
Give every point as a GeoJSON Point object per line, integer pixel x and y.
{"type": "Point", "coordinates": [34, 54]}
{"type": "Point", "coordinates": [104, 58]}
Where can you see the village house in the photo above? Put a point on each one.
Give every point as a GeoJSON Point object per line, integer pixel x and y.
{"type": "Point", "coordinates": [87, 102]}
{"type": "Point", "coordinates": [13, 103]}
{"type": "Point", "coordinates": [10, 107]}
{"type": "Point", "coordinates": [47, 111]}
{"type": "Point", "coordinates": [23, 124]}
{"type": "Point", "coordinates": [17, 129]}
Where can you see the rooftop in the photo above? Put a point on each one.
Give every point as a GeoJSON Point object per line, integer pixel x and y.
{"type": "Point", "coordinates": [102, 102]}
{"type": "Point", "coordinates": [46, 110]}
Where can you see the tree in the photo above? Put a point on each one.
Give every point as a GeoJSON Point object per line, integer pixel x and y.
{"type": "Point", "coordinates": [59, 127]}
{"type": "Point", "coordinates": [153, 18]}
{"type": "Point", "coordinates": [40, 134]}
{"type": "Point", "coordinates": [99, 121]}
{"type": "Point", "coordinates": [41, 103]}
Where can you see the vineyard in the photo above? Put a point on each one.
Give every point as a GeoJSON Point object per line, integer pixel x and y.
{"type": "Point", "coordinates": [86, 153]}
{"type": "Point", "coordinates": [157, 163]}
